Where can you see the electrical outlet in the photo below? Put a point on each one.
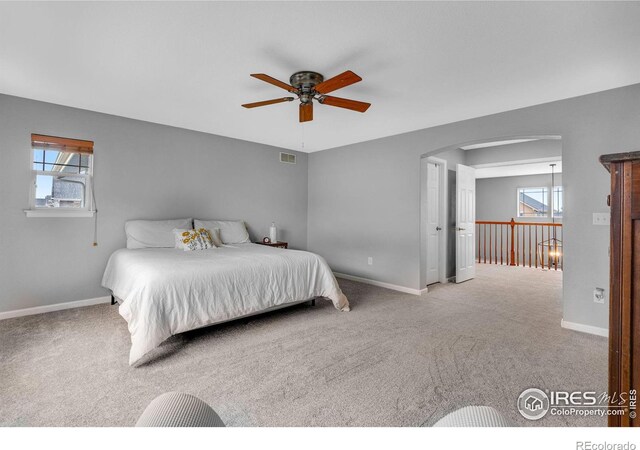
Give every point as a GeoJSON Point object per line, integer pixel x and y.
{"type": "Point", "coordinates": [370, 260]}
{"type": "Point", "coordinates": [598, 295]}
{"type": "Point", "coordinates": [601, 218]}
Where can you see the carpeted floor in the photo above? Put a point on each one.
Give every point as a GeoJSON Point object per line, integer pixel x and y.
{"type": "Point", "coordinates": [394, 360]}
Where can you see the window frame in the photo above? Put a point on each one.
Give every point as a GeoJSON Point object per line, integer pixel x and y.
{"type": "Point", "coordinates": [39, 211]}
{"type": "Point", "coordinates": [518, 189]}
{"type": "Point", "coordinates": [553, 205]}
{"type": "Point", "coordinates": [550, 202]}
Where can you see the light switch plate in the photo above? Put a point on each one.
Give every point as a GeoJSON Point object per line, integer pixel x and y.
{"type": "Point", "coordinates": [601, 218]}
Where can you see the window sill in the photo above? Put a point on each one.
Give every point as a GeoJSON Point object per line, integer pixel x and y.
{"type": "Point", "coordinates": [57, 213]}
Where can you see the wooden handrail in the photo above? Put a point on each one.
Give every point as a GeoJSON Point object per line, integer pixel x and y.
{"type": "Point", "coordinates": [490, 222]}
{"type": "Point", "coordinates": [524, 245]}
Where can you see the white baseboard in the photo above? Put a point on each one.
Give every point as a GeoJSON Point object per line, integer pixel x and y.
{"type": "Point", "coordinates": [394, 287]}
{"type": "Point", "coordinates": [56, 307]}
{"type": "Point", "coordinates": [584, 328]}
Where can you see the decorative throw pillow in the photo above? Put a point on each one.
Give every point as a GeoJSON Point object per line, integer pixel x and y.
{"type": "Point", "coordinates": [189, 240]}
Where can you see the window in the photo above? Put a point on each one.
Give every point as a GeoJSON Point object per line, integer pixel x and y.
{"type": "Point", "coordinates": [534, 202]}
{"type": "Point", "coordinates": [557, 202]}
{"type": "Point", "coordinates": [61, 171]}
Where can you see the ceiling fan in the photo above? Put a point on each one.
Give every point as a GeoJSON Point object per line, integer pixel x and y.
{"type": "Point", "coordinates": [308, 86]}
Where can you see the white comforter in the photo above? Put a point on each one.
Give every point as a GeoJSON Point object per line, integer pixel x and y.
{"type": "Point", "coordinates": [168, 291]}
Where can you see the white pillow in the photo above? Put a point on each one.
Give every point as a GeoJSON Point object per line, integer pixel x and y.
{"type": "Point", "coordinates": [231, 231]}
{"type": "Point", "coordinates": [154, 233]}
{"type": "Point", "coordinates": [189, 240]}
{"type": "Point", "coordinates": [215, 236]}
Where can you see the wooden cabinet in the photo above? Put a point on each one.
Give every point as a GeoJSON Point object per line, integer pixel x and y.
{"type": "Point", "coordinates": [624, 299]}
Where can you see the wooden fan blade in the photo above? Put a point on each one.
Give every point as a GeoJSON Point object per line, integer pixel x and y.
{"type": "Point", "coordinates": [268, 102]}
{"type": "Point", "coordinates": [337, 82]}
{"type": "Point", "coordinates": [306, 112]}
{"type": "Point", "coordinates": [345, 103]}
{"type": "Point", "coordinates": [271, 80]}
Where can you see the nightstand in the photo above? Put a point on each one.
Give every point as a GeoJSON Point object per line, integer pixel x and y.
{"type": "Point", "coordinates": [275, 244]}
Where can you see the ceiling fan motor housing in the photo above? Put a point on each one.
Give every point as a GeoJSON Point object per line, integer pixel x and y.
{"type": "Point", "coordinates": [305, 81]}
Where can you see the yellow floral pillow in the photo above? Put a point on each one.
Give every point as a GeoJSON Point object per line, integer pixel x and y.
{"type": "Point", "coordinates": [189, 240]}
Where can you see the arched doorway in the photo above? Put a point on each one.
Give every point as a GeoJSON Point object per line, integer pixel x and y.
{"type": "Point", "coordinates": [506, 157]}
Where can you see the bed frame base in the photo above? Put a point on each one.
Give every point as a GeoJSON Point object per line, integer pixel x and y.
{"type": "Point", "coordinates": [113, 301]}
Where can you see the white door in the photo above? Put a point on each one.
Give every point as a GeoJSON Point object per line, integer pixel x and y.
{"type": "Point", "coordinates": [433, 223]}
{"type": "Point", "coordinates": [465, 223]}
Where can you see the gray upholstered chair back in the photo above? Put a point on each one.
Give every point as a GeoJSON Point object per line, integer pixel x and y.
{"type": "Point", "coordinates": [473, 416]}
{"type": "Point", "coordinates": [175, 409]}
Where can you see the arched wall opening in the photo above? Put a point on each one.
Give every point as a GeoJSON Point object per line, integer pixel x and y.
{"type": "Point", "coordinates": [520, 152]}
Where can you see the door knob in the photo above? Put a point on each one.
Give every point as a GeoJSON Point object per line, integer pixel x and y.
{"type": "Point", "coordinates": [438, 228]}
{"type": "Point", "coordinates": [460, 229]}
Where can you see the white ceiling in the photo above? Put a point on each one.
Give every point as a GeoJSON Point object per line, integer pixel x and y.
{"type": "Point", "coordinates": [519, 168]}
{"type": "Point", "coordinates": [423, 64]}
{"type": "Point", "coordinates": [497, 143]}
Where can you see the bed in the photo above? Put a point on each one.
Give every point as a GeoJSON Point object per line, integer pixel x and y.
{"type": "Point", "coordinates": [166, 291]}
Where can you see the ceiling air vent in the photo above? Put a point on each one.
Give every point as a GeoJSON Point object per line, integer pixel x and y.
{"type": "Point", "coordinates": [287, 158]}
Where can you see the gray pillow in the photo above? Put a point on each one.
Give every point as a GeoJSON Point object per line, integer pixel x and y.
{"type": "Point", "coordinates": [231, 231]}
{"type": "Point", "coordinates": [154, 233]}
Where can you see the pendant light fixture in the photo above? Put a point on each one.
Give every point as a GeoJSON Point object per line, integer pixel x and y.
{"type": "Point", "coordinates": [552, 247]}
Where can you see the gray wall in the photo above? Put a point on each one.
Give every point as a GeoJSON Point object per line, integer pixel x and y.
{"type": "Point", "coordinates": [142, 170]}
{"type": "Point", "coordinates": [496, 198]}
{"type": "Point", "coordinates": [453, 156]}
{"type": "Point", "coordinates": [364, 199]}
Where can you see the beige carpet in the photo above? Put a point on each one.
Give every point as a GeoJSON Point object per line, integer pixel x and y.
{"type": "Point", "coordinates": [394, 360]}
